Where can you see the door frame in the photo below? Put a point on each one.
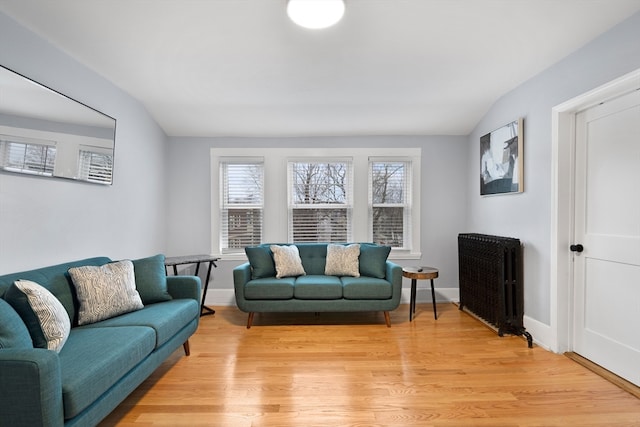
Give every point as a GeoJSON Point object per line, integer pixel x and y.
{"type": "Point", "coordinates": [562, 203]}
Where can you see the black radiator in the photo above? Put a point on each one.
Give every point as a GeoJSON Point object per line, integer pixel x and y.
{"type": "Point", "coordinates": [491, 286]}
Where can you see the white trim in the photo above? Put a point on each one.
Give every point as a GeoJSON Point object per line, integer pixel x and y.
{"type": "Point", "coordinates": [220, 297]}
{"type": "Point", "coordinates": [541, 332]}
{"type": "Point", "coordinates": [423, 294]}
{"type": "Point", "coordinates": [562, 209]}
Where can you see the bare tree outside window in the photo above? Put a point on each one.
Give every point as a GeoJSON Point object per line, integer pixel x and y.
{"type": "Point", "coordinates": [320, 201]}
{"type": "Point", "coordinates": [389, 205]}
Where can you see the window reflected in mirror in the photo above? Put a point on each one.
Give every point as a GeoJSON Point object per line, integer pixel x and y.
{"type": "Point", "coordinates": [45, 133]}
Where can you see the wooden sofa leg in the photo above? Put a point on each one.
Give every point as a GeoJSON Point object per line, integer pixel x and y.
{"type": "Point", "coordinates": [185, 345]}
{"type": "Point", "coordinates": [250, 319]}
{"type": "Point", "coordinates": [387, 319]}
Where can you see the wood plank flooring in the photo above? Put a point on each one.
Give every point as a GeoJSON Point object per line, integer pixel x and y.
{"type": "Point", "coordinates": [349, 369]}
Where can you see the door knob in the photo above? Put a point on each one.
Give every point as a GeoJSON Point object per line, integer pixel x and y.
{"type": "Point", "coordinates": [576, 248]}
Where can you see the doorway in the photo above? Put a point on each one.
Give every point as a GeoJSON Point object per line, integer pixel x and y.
{"type": "Point", "coordinates": [563, 308]}
{"type": "Point", "coordinates": [606, 248]}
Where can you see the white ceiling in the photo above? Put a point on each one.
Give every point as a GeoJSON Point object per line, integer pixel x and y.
{"type": "Point", "coordinates": [390, 67]}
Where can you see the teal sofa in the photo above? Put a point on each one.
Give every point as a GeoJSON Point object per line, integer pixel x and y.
{"type": "Point", "coordinates": [100, 363]}
{"type": "Point", "coordinates": [377, 288]}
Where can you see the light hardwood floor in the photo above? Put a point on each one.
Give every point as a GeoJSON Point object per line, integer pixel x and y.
{"type": "Point", "coordinates": [351, 370]}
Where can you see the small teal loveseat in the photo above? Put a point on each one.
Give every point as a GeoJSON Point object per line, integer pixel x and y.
{"type": "Point", "coordinates": [100, 363]}
{"type": "Point", "coordinates": [377, 287]}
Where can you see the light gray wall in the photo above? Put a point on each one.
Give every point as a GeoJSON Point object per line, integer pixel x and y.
{"type": "Point", "coordinates": [527, 216]}
{"type": "Point", "coordinates": [46, 221]}
{"type": "Point", "coordinates": [443, 194]}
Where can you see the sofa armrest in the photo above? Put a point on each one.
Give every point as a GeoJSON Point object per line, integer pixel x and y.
{"type": "Point", "coordinates": [394, 276]}
{"type": "Point", "coordinates": [30, 388]}
{"type": "Point", "coordinates": [182, 287]}
{"type": "Point", "coordinates": [241, 275]}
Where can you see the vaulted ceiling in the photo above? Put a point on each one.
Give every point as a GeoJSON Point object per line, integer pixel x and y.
{"type": "Point", "coordinates": [390, 67]}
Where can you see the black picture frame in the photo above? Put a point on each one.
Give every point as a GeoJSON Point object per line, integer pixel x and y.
{"type": "Point", "coordinates": [502, 160]}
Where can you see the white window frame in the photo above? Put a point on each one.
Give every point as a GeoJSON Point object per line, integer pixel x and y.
{"type": "Point", "coordinates": [406, 203]}
{"type": "Point", "coordinates": [348, 202]}
{"type": "Point", "coordinates": [275, 217]}
{"type": "Point", "coordinates": [224, 206]}
{"type": "Point", "coordinates": [91, 164]}
{"type": "Point", "coordinates": [45, 164]}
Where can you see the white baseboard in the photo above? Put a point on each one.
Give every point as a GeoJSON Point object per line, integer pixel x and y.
{"type": "Point", "coordinates": [424, 295]}
{"type": "Point", "coordinates": [221, 297]}
{"type": "Point", "coordinates": [540, 332]}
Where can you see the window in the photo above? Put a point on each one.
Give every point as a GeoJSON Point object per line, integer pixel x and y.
{"type": "Point", "coordinates": [320, 201]}
{"type": "Point", "coordinates": [26, 155]}
{"type": "Point", "coordinates": [95, 165]}
{"type": "Point", "coordinates": [242, 204]}
{"type": "Point", "coordinates": [305, 194]}
{"type": "Point", "coordinates": [389, 202]}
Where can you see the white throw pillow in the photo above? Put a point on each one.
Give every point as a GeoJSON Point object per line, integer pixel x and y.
{"type": "Point", "coordinates": [342, 260]}
{"type": "Point", "coordinates": [287, 261]}
{"type": "Point", "coordinates": [105, 291]}
{"type": "Point", "coordinates": [53, 319]}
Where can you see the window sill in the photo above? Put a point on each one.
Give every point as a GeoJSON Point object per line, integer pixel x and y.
{"type": "Point", "coordinates": [404, 255]}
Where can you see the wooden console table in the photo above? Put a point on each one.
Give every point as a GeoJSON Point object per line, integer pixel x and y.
{"type": "Point", "coordinates": [194, 259]}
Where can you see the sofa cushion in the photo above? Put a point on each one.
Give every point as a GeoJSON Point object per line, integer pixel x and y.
{"type": "Point", "coordinates": [261, 260]}
{"type": "Point", "coordinates": [287, 261]}
{"type": "Point", "coordinates": [13, 331]}
{"type": "Point", "coordinates": [360, 288]}
{"type": "Point", "coordinates": [373, 260]}
{"type": "Point", "coordinates": [105, 291]}
{"type": "Point", "coordinates": [269, 288]}
{"type": "Point", "coordinates": [318, 287]}
{"type": "Point", "coordinates": [43, 314]}
{"type": "Point", "coordinates": [166, 318]}
{"type": "Point", "coordinates": [342, 260]}
{"type": "Point", "coordinates": [151, 279]}
{"type": "Point", "coordinates": [94, 359]}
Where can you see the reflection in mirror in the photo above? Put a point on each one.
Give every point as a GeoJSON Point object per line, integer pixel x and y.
{"type": "Point", "coordinates": [45, 133]}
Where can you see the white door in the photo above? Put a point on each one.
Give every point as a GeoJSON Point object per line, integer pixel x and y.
{"type": "Point", "coordinates": [607, 225]}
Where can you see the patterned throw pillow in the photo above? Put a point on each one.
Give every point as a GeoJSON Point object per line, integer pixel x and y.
{"type": "Point", "coordinates": [105, 291]}
{"type": "Point", "coordinates": [342, 260]}
{"type": "Point", "coordinates": [46, 319]}
{"type": "Point", "coordinates": [287, 260]}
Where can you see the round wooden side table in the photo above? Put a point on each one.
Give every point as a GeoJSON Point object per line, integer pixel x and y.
{"type": "Point", "coordinates": [420, 273]}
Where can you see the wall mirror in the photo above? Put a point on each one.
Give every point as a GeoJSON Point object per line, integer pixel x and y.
{"type": "Point", "coordinates": [45, 133]}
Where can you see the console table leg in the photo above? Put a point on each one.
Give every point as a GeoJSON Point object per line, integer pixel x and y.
{"type": "Point", "coordinates": [204, 310]}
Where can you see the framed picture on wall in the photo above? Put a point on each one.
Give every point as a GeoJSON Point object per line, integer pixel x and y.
{"type": "Point", "coordinates": [501, 160]}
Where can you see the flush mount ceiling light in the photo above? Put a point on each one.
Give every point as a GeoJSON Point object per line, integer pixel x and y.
{"type": "Point", "coordinates": [315, 14]}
